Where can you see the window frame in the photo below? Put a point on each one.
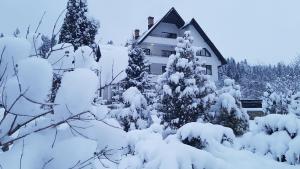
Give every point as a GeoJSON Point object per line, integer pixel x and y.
{"type": "Point", "coordinates": [203, 52]}
{"type": "Point", "coordinates": [208, 70]}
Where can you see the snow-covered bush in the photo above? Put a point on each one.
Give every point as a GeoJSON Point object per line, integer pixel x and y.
{"type": "Point", "coordinates": [135, 114]}
{"type": "Point", "coordinates": [203, 135]}
{"type": "Point", "coordinates": [228, 110]}
{"type": "Point", "coordinates": [276, 136]}
{"type": "Point", "coordinates": [148, 150]}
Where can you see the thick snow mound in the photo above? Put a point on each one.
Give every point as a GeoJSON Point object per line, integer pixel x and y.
{"type": "Point", "coordinates": [62, 58]}
{"type": "Point", "coordinates": [205, 134]}
{"type": "Point", "coordinates": [276, 136]}
{"type": "Point", "coordinates": [12, 50]}
{"type": "Point", "coordinates": [165, 154]}
{"type": "Point", "coordinates": [76, 93]}
{"type": "Point", "coordinates": [84, 58]}
{"type": "Point", "coordinates": [134, 98]}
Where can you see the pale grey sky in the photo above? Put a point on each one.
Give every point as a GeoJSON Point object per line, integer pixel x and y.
{"type": "Point", "coordinates": [262, 31]}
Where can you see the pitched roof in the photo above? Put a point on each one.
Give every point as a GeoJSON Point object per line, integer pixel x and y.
{"type": "Point", "coordinates": [172, 16]}
{"type": "Point", "coordinates": [206, 39]}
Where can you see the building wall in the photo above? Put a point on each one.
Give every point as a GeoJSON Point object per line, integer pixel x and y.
{"type": "Point", "coordinates": [157, 44]}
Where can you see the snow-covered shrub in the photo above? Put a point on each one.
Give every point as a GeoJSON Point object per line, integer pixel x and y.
{"type": "Point", "coordinates": [228, 110]}
{"type": "Point", "coordinates": [150, 151]}
{"type": "Point", "coordinates": [135, 114]}
{"type": "Point", "coordinates": [276, 136]}
{"type": "Point", "coordinates": [273, 102]}
{"type": "Point", "coordinates": [203, 135]}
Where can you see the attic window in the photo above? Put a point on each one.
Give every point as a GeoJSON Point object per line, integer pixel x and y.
{"type": "Point", "coordinates": [169, 35]}
{"type": "Point", "coordinates": [203, 52]}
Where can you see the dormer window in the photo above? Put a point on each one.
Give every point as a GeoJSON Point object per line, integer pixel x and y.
{"type": "Point", "coordinates": [203, 52]}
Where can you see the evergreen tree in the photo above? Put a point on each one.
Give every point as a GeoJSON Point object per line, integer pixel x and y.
{"type": "Point", "coordinates": [134, 115]}
{"type": "Point", "coordinates": [178, 101]}
{"type": "Point", "coordinates": [228, 108]}
{"type": "Point", "coordinates": [137, 70]}
{"type": "Point", "coordinates": [78, 29]}
{"type": "Point", "coordinates": [205, 97]}
{"type": "Point", "coordinates": [1, 35]}
{"type": "Point", "coordinates": [275, 103]}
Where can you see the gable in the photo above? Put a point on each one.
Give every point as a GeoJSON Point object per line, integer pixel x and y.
{"type": "Point", "coordinates": [202, 39]}
{"type": "Point", "coordinates": [172, 17]}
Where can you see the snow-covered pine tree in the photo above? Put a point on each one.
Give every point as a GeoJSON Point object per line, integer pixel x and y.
{"type": "Point", "coordinates": [178, 101]}
{"type": "Point", "coordinates": [207, 90]}
{"type": "Point", "coordinates": [134, 115]}
{"type": "Point", "coordinates": [275, 103]}
{"type": "Point", "coordinates": [78, 29]}
{"type": "Point", "coordinates": [228, 108]}
{"type": "Point", "coordinates": [137, 70]}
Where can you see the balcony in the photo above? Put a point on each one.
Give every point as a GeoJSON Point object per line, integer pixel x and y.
{"type": "Point", "coordinates": [153, 39]}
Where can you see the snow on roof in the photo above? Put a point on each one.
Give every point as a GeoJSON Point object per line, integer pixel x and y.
{"type": "Point", "coordinates": [113, 61]}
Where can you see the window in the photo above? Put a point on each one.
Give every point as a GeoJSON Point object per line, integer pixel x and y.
{"type": "Point", "coordinates": [203, 52]}
{"type": "Point", "coordinates": [208, 69]}
{"type": "Point", "coordinates": [167, 53]}
{"type": "Point", "coordinates": [169, 35]}
{"type": "Point", "coordinates": [164, 67]}
{"type": "Point", "coordinates": [147, 51]}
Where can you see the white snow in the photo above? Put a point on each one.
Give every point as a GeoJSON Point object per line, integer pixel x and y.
{"type": "Point", "coordinates": [76, 93]}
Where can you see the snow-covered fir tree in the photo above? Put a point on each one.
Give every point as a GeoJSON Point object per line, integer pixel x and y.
{"type": "Point", "coordinates": [274, 102]}
{"type": "Point", "coordinates": [206, 90]}
{"type": "Point", "coordinates": [78, 29]}
{"type": "Point", "coordinates": [134, 115]}
{"type": "Point", "coordinates": [228, 108]}
{"type": "Point", "coordinates": [137, 70]}
{"type": "Point", "coordinates": [178, 101]}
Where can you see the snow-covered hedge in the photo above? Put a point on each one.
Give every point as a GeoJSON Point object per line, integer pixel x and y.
{"type": "Point", "coordinates": [150, 151]}
{"type": "Point", "coordinates": [202, 135]}
{"type": "Point", "coordinates": [276, 136]}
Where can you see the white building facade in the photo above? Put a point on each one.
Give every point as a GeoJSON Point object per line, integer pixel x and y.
{"type": "Point", "coordinates": [160, 40]}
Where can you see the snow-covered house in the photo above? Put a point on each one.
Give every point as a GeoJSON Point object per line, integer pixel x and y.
{"type": "Point", "coordinates": [159, 43]}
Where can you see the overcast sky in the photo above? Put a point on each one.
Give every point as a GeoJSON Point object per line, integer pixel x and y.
{"type": "Point", "coordinates": [262, 31]}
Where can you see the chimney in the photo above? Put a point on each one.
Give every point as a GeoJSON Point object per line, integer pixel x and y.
{"type": "Point", "coordinates": [150, 21]}
{"type": "Point", "coordinates": [136, 34]}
